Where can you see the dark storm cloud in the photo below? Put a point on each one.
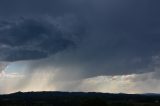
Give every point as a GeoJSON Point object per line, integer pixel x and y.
{"type": "Point", "coordinates": [25, 39]}
{"type": "Point", "coordinates": [121, 37]}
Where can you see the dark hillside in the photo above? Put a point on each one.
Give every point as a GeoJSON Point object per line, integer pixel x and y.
{"type": "Point", "coordinates": [78, 99]}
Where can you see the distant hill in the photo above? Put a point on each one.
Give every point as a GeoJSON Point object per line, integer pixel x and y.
{"type": "Point", "coordinates": [78, 99]}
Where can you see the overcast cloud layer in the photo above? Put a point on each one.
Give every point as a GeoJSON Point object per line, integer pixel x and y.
{"type": "Point", "coordinates": [81, 38]}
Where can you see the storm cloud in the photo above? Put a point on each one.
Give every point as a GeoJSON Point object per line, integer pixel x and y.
{"type": "Point", "coordinates": [29, 39]}
{"type": "Point", "coordinates": [118, 38]}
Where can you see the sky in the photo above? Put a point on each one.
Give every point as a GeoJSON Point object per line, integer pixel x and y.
{"type": "Point", "coordinates": [80, 45]}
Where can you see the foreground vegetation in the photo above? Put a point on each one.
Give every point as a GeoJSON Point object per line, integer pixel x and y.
{"type": "Point", "coordinates": [78, 99]}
